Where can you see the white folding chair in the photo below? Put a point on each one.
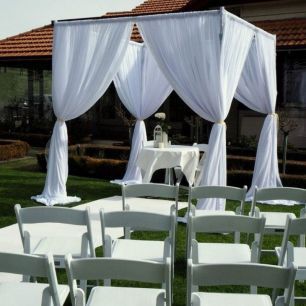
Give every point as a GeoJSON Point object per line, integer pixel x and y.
{"type": "Point", "coordinates": [239, 274]}
{"type": "Point", "coordinates": [288, 253]}
{"type": "Point", "coordinates": [219, 252]}
{"type": "Point", "coordinates": [216, 192]}
{"type": "Point", "coordinates": [276, 221]}
{"type": "Point", "coordinates": [26, 293]}
{"type": "Point", "coordinates": [35, 241]}
{"type": "Point", "coordinates": [203, 148]}
{"type": "Point", "coordinates": [108, 268]}
{"type": "Point", "coordinates": [139, 249]}
{"type": "Point", "coordinates": [151, 190]}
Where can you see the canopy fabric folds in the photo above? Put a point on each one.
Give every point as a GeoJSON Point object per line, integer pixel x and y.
{"type": "Point", "coordinates": [205, 76]}
{"type": "Point", "coordinates": [257, 90]}
{"type": "Point", "coordinates": [86, 57]}
{"type": "Point", "coordinates": [142, 89]}
{"type": "Point", "coordinates": [206, 57]}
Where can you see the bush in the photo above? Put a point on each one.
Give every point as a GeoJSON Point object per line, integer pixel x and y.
{"type": "Point", "coordinates": [35, 140]}
{"type": "Point", "coordinates": [13, 149]}
{"type": "Point", "coordinates": [90, 167]}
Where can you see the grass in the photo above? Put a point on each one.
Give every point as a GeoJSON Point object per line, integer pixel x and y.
{"type": "Point", "coordinates": [20, 179]}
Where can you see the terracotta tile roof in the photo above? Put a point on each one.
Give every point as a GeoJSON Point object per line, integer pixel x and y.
{"type": "Point", "coordinates": [38, 42]}
{"type": "Point", "coordinates": [154, 7]}
{"type": "Point", "coordinates": [289, 32]}
{"type": "Point", "coordinates": [34, 43]}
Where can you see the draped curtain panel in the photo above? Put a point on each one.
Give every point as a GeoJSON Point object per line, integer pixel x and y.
{"type": "Point", "coordinates": [257, 90]}
{"type": "Point", "coordinates": [142, 88]}
{"type": "Point", "coordinates": [202, 55]}
{"type": "Point", "coordinates": [86, 57]}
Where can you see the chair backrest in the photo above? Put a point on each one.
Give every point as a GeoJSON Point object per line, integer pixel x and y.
{"type": "Point", "coordinates": [150, 190]}
{"type": "Point", "coordinates": [119, 269]}
{"type": "Point", "coordinates": [225, 224]}
{"type": "Point", "coordinates": [138, 220]}
{"type": "Point", "coordinates": [31, 265]}
{"type": "Point", "coordinates": [222, 192]}
{"type": "Point", "coordinates": [294, 226]}
{"type": "Point", "coordinates": [279, 193]}
{"type": "Point", "coordinates": [261, 275]}
{"type": "Point", "coordinates": [34, 215]}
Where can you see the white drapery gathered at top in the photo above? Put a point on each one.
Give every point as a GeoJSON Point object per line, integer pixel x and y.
{"type": "Point", "coordinates": [257, 90]}
{"type": "Point", "coordinates": [86, 57]}
{"type": "Point", "coordinates": [142, 88]}
{"type": "Point", "coordinates": [202, 56]}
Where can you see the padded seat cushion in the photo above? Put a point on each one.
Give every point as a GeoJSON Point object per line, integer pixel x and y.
{"type": "Point", "coordinates": [224, 253]}
{"type": "Point", "coordinates": [232, 299]}
{"type": "Point", "coordinates": [201, 212]}
{"type": "Point", "coordinates": [29, 294]}
{"type": "Point", "coordinates": [276, 220]}
{"type": "Point", "coordinates": [108, 296]}
{"type": "Point", "coordinates": [58, 246]}
{"type": "Point", "coordinates": [138, 249]}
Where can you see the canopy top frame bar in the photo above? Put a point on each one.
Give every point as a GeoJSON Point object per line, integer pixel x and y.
{"type": "Point", "coordinates": [135, 19]}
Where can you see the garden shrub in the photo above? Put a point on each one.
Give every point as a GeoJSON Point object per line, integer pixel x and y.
{"type": "Point", "coordinates": [13, 149]}
{"type": "Point", "coordinates": [35, 140]}
{"type": "Point", "coordinates": [90, 166]}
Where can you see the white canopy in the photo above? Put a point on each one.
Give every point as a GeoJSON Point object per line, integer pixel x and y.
{"type": "Point", "coordinates": [207, 58]}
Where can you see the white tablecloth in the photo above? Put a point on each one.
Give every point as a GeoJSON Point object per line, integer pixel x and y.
{"type": "Point", "coordinates": [151, 159]}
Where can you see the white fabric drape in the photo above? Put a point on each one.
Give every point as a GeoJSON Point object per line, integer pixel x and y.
{"type": "Point", "coordinates": [86, 56]}
{"type": "Point", "coordinates": [257, 90]}
{"type": "Point", "coordinates": [142, 88]}
{"type": "Point", "coordinates": [204, 69]}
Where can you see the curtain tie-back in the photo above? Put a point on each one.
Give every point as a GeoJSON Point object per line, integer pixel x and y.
{"type": "Point", "coordinates": [60, 120]}
{"type": "Point", "coordinates": [221, 122]}
{"type": "Point", "coordinates": [276, 117]}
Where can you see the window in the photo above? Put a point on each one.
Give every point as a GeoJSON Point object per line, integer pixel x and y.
{"type": "Point", "coordinates": [295, 82]}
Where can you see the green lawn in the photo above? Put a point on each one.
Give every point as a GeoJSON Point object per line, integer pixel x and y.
{"type": "Point", "coordinates": [19, 180]}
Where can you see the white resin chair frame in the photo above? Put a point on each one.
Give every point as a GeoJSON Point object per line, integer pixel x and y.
{"type": "Point", "coordinates": [225, 224]}
{"type": "Point", "coordinates": [288, 253]}
{"type": "Point", "coordinates": [31, 294]}
{"type": "Point", "coordinates": [34, 215]}
{"type": "Point", "coordinates": [149, 190]}
{"type": "Point", "coordinates": [221, 192]}
{"type": "Point", "coordinates": [119, 269]}
{"type": "Point", "coordinates": [239, 274]}
{"type": "Point", "coordinates": [139, 220]}
{"type": "Point", "coordinates": [276, 221]}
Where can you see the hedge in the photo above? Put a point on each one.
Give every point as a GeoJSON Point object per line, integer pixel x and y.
{"type": "Point", "coordinates": [239, 178]}
{"type": "Point", "coordinates": [90, 167]}
{"type": "Point", "coordinates": [13, 149]}
{"type": "Point", "coordinates": [35, 140]}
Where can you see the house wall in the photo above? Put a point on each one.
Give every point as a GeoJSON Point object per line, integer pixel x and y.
{"type": "Point", "coordinates": [273, 10]}
{"type": "Point", "coordinates": [248, 123]}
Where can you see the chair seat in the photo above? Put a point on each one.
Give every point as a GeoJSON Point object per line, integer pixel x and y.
{"type": "Point", "coordinates": [275, 221]}
{"type": "Point", "coordinates": [232, 299]}
{"type": "Point", "coordinates": [299, 258]}
{"type": "Point", "coordinates": [119, 296]}
{"type": "Point", "coordinates": [201, 212]}
{"type": "Point", "coordinates": [138, 249]}
{"type": "Point", "coordinates": [30, 294]}
{"type": "Point", "coordinates": [58, 246]}
{"type": "Point", "coordinates": [224, 253]}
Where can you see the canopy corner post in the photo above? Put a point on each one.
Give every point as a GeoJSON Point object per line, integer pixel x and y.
{"type": "Point", "coordinates": [222, 21]}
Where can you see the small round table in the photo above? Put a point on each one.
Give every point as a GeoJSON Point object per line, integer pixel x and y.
{"type": "Point", "coordinates": [151, 159]}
